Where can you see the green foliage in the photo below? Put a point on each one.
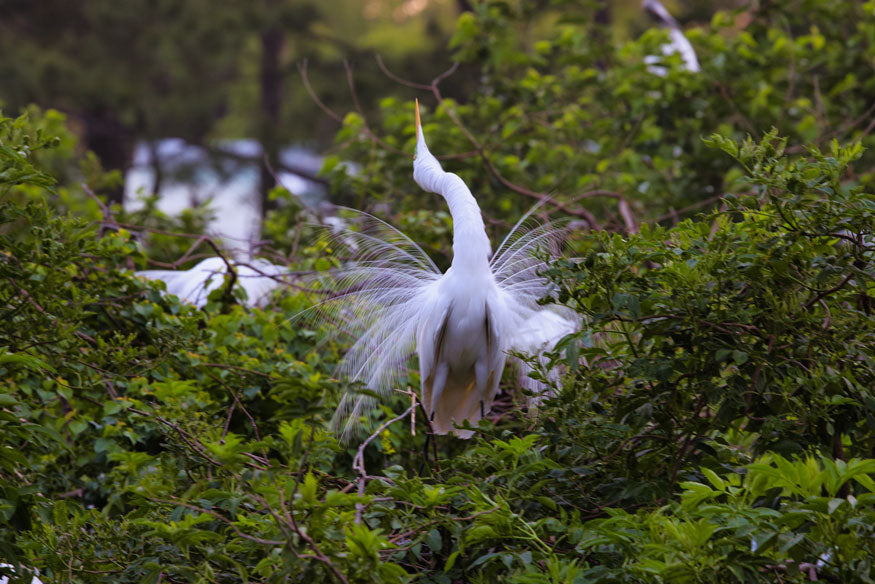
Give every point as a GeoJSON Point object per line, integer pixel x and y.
{"type": "Point", "coordinates": [714, 420]}
{"type": "Point", "coordinates": [18, 141]}
{"type": "Point", "coordinates": [757, 318]}
{"type": "Point", "coordinates": [561, 112]}
{"type": "Point", "coordinates": [778, 518]}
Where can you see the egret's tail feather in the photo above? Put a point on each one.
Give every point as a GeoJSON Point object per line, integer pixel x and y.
{"type": "Point", "coordinates": [458, 402]}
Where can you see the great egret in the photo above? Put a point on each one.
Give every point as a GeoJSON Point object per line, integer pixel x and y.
{"type": "Point", "coordinates": [258, 278]}
{"type": "Point", "coordinates": [462, 323]}
{"type": "Point", "coordinates": [679, 43]}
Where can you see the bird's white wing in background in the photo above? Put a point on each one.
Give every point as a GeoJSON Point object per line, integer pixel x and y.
{"type": "Point", "coordinates": [5, 580]}
{"type": "Point", "coordinates": [258, 278]}
{"type": "Point", "coordinates": [191, 286]}
{"type": "Point", "coordinates": [679, 43]}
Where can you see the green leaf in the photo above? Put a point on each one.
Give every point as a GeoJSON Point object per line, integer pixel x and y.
{"type": "Point", "coordinates": [433, 541]}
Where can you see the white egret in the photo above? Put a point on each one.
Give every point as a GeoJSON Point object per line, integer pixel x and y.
{"type": "Point", "coordinates": [5, 579]}
{"type": "Point", "coordinates": [258, 278]}
{"type": "Point", "coordinates": [679, 44]}
{"type": "Point", "coordinates": [461, 323]}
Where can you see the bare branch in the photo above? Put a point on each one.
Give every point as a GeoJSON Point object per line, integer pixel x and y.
{"type": "Point", "coordinates": [358, 463]}
{"type": "Point", "coordinates": [302, 69]}
{"type": "Point", "coordinates": [400, 80]}
{"type": "Point", "coordinates": [222, 518]}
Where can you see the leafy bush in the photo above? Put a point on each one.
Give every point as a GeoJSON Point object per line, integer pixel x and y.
{"type": "Point", "coordinates": [714, 419]}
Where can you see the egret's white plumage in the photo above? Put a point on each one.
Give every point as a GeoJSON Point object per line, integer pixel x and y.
{"type": "Point", "coordinates": [679, 43]}
{"type": "Point", "coordinates": [5, 579]}
{"type": "Point", "coordinates": [537, 336]}
{"type": "Point", "coordinates": [258, 277]}
{"type": "Point", "coordinates": [462, 323]}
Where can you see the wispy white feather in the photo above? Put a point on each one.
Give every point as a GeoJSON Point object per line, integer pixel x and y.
{"type": "Point", "coordinates": [387, 287]}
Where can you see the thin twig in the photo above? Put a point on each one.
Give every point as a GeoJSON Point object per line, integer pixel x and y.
{"type": "Point", "coordinates": [239, 404]}
{"type": "Point", "coordinates": [826, 293]}
{"type": "Point", "coordinates": [400, 80]}
{"type": "Point", "coordinates": [188, 439]}
{"type": "Point", "coordinates": [303, 461]}
{"type": "Point", "coordinates": [358, 463]}
{"type": "Point", "coordinates": [108, 219]}
{"type": "Point", "coordinates": [222, 518]}
{"type": "Point", "coordinates": [675, 213]}
{"type": "Point", "coordinates": [302, 69]}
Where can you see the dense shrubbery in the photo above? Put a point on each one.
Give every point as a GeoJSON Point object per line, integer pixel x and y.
{"type": "Point", "coordinates": [715, 420]}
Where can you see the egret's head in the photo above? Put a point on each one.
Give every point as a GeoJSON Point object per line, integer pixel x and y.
{"type": "Point", "coordinates": [427, 171]}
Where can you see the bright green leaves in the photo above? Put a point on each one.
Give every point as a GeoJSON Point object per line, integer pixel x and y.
{"type": "Point", "coordinates": [365, 543]}
{"type": "Point", "coordinates": [142, 440]}
{"type": "Point", "coordinates": [751, 316]}
{"type": "Point", "coordinates": [806, 478]}
{"type": "Point", "coordinates": [141, 415]}
{"type": "Point", "coordinates": [184, 533]}
{"type": "Point", "coordinates": [365, 547]}
{"type": "Point", "coordinates": [689, 542]}
{"type": "Point", "coordinates": [230, 451]}
{"type": "Point", "coordinates": [18, 142]}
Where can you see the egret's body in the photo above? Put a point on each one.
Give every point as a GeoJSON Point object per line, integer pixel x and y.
{"type": "Point", "coordinates": [461, 346]}
{"type": "Point", "coordinates": [462, 323]}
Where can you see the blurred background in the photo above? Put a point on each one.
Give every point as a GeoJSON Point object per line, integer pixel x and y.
{"type": "Point", "coordinates": [202, 102]}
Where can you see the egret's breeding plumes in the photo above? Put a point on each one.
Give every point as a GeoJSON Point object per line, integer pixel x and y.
{"type": "Point", "coordinates": [462, 324]}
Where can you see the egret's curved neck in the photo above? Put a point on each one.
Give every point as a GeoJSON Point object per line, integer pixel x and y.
{"type": "Point", "coordinates": [471, 247]}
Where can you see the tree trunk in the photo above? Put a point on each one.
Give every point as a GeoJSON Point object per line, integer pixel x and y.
{"type": "Point", "coordinates": [110, 141]}
{"type": "Point", "coordinates": [271, 101]}
{"type": "Point", "coordinates": [157, 169]}
{"type": "Point", "coordinates": [602, 30]}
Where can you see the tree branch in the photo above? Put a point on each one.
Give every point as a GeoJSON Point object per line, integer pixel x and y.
{"type": "Point", "coordinates": [358, 463]}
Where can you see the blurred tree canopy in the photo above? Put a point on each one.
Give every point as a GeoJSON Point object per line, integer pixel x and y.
{"type": "Point", "coordinates": [562, 114]}
{"type": "Point", "coordinates": [201, 70]}
{"type": "Point", "coordinates": [714, 418]}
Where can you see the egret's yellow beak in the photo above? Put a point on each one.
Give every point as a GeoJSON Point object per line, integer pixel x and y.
{"type": "Point", "coordinates": [418, 126]}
